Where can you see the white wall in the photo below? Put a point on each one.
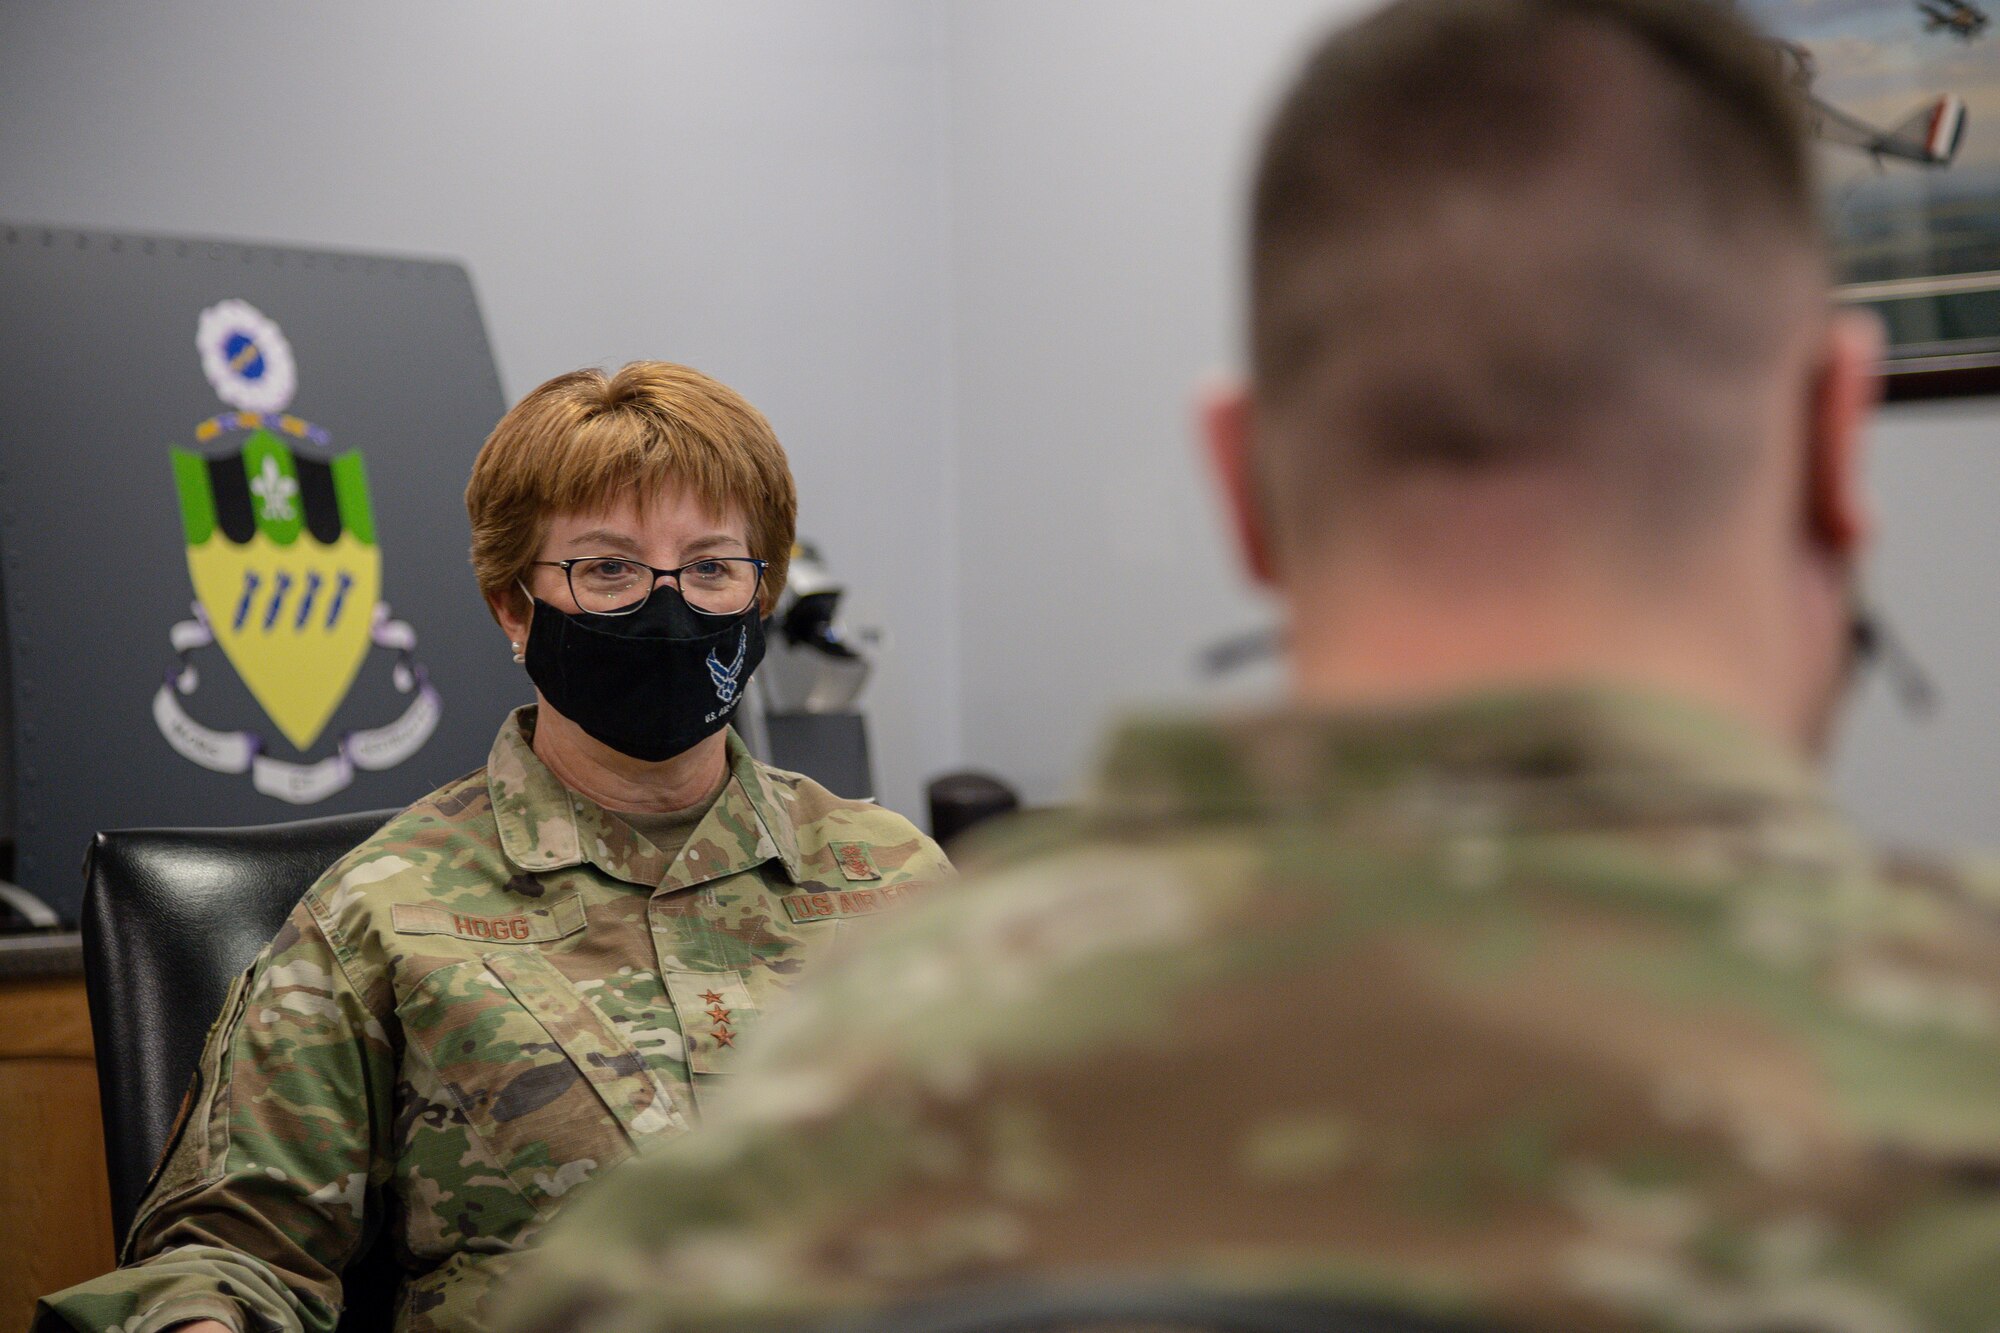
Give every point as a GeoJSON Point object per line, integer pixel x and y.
{"type": "Point", "coordinates": [1936, 579]}
{"type": "Point", "coordinates": [971, 257]}
{"type": "Point", "coordinates": [1098, 159]}
{"type": "Point", "coordinates": [752, 189]}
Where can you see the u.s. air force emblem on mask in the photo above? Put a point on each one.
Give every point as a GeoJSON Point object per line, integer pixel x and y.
{"type": "Point", "coordinates": [281, 547]}
{"type": "Point", "coordinates": [728, 679]}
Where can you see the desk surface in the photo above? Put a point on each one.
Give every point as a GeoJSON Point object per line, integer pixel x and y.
{"type": "Point", "coordinates": [25, 956]}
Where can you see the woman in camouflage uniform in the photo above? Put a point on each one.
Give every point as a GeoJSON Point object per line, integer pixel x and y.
{"type": "Point", "coordinates": [549, 961]}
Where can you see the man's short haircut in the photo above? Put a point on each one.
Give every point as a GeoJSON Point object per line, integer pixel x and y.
{"type": "Point", "coordinates": [586, 440]}
{"type": "Point", "coordinates": [1490, 235]}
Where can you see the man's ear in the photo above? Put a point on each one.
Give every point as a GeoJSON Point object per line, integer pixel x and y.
{"type": "Point", "coordinates": [1843, 399]}
{"type": "Point", "coordinates": [1228, 432]}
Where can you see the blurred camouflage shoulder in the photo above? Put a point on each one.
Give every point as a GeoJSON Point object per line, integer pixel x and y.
{"type": "Point", "coordinates": [1968, 879]}
{"type": "Point", "coordinates": [1018, 837]}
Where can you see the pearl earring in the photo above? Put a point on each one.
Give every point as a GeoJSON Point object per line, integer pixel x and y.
{"type": "Point", "coordinates": [519, 656]}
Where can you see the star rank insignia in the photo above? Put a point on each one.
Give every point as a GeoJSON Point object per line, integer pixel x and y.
{"type": "Point", "coordinates": [715, 1011]}
{"type": "Point", "coordinates": [711, 1008]}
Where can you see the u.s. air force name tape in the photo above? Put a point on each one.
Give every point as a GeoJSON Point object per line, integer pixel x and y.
{"type": "Point", "coordinates": [370, 749]}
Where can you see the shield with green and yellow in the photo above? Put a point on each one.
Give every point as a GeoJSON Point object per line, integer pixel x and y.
{"type": "Point", "coordinates": [281, 548]}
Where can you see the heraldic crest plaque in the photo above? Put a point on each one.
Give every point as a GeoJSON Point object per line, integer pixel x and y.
{"type": "Point", "coordinates": [287, 575]}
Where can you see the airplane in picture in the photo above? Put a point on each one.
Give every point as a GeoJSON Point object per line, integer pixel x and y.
{"type": "Point", "coordinates": [1930, 136]}
{"type": "Point", "coordinates": [1961, 18]}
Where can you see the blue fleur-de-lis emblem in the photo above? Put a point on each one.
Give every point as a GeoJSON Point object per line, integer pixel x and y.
{"type": "Point", "coordinates": [727, 678]}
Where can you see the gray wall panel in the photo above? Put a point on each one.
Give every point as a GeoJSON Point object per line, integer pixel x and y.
{"type": "Point", "coordinates": [99, 377]}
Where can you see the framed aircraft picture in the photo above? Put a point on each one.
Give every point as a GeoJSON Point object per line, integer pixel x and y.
{"type": "Point", "coordinates": [1904, 97]}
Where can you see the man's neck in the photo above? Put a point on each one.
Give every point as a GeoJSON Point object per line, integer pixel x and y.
{"type": "Point", "coordinates": [1402, 650]}
{"type": "Point", "coordinates": [619, 782]}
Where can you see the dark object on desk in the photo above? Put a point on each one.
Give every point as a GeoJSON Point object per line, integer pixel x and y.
{"type": "Point", "coordinates": [170, 916]}
{"type": "Point", "coordinates": [959, 801]}
{"type": "Point", "coordinates": [829, 748]}
{"type": "Point", "coordinates": [1137, 1309]}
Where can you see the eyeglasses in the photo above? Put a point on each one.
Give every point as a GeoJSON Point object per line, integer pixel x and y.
{"type": "Point", "coordinates": [611, 585]}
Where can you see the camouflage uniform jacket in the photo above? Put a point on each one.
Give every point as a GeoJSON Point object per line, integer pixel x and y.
{"type": "Point", "coordinates": [1571, 1011]}
{"type": "Point", "coordinates": [492, 999]}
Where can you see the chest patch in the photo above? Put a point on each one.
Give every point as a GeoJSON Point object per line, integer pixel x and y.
{"type": "Point", "coordinates": [854, 860]}
{"type": "Point", "coordinates": [848, 902]}
{"type": "Point", "coordinates": [536, 926]}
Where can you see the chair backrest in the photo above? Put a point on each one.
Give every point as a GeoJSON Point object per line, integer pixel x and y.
{"type": "Point", "coordinates": [170, 917]}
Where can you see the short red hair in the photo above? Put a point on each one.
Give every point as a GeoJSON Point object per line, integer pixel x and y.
{"type": "Point", "coordinates": [585, 440]}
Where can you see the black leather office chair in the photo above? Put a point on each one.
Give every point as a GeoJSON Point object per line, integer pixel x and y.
{"type": "Point", "coordinates": [1165, 1308]}
{"type": "Point", "coordinates": [170, 916]}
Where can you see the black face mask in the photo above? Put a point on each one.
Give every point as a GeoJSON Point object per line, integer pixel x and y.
{"type": "Point", "coordinates": [650, 684]}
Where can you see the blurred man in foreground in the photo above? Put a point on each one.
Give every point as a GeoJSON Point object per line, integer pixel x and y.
{"type": "Point", "coordinates": [1519, 969]}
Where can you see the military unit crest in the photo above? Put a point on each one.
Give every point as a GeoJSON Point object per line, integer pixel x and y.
{"type": "Point", "coordinates": [282, 551]}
